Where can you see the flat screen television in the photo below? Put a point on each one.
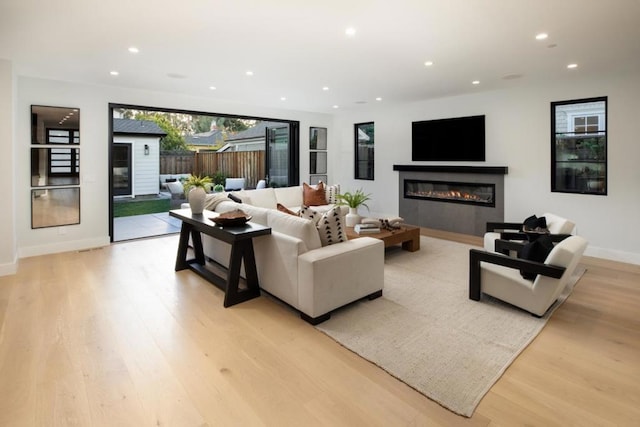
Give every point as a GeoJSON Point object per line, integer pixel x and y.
{"type": "Point", "coordinates": [455, 139]}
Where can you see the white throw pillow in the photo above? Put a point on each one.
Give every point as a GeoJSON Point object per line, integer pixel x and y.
{"type": "Point", "coordinates": [331, 192]}
{"type": "Point", "coordinates": [330, 227]}
{"type": "Point", "coordinates": [307, 213]}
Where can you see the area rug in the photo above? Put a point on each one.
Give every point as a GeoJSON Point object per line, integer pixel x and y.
{"type": "Point", "coordinates": [427, 333]}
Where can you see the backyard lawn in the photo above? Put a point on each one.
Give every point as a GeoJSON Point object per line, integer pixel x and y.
{"type": "Point", "coordinates": [130, 207]}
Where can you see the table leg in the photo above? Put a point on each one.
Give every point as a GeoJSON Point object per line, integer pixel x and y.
{"type": "Point", "coordinates": [196, 239]}
{"type": "Point", "coordinates": [413, 244]}
{"type": "Point", "coordinates": [183, 245]}
{"type": "Point", "coordinates": [233, 295]}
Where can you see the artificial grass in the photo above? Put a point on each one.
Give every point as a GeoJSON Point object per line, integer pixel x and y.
{"type": "Point", "coordinates": [140, 207]}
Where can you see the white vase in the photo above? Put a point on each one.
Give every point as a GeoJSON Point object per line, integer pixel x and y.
{"type": "Point", "coordinates": [352, 218]}
{"type": "Point", "coordinates": [196, 200]}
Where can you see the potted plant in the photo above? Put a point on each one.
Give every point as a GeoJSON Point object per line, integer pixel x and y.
{"type": "Point", "coordinates": [353, 201]}
{"type": "Point", "coordinates": [195, 188]}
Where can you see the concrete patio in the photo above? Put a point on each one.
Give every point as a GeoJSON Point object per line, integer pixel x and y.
{"type": "Point", "coordinates": [141, 226]}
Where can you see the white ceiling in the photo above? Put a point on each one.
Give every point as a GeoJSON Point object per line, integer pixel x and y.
{"type": "Point", "coordinates": [295, 47]}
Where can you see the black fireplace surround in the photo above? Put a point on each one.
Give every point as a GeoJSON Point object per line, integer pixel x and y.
{"type": "Point", "coordinates": [472, 193]}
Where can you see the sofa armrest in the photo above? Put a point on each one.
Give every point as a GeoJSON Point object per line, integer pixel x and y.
{"type": "Point", "coordinates": [477, 256]}
{"type": "Point", "coordinates": [335, 275]}
{"type": "Point", "coordinates": [503, 226]}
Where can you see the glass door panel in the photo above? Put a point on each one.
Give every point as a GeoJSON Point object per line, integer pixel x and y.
{"type": "Point", "coordinates": [121, 169]}
{"type": "Point", "coordinates": [278, 156]}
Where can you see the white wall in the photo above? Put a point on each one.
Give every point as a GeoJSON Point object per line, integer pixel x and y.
{"type": "Point", "coordinates": [8, 253]}
{"type": "Point", "coordinates": [93, 102]}
{"type": "Point", "coordinates": [518, 136]}
{"type": "Point", "coordinates": [518, 129]}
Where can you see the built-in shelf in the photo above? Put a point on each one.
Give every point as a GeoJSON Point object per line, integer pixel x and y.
{"type": "Point", "coordinates": [490, 170]}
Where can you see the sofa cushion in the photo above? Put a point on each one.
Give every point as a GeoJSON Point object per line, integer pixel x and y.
{"type": "Point", "coordinates": [289, 196]}
{"type": "Point", "coordinates": [313, 196]}
{"type": "Point", "coordinates": [294, 226]}
{"type": "Point", "coordinates": [264, 197]}
{"type": "Point", "coordinates": [330, 227]}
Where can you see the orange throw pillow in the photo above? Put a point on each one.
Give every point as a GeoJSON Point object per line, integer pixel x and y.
{"type": "Point", "coordinates": [313, 196]}
{"type": "Point", "coordinates": [283, 208]}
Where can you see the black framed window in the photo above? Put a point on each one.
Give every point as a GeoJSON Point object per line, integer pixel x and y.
{"type": "Point", "coordinates": [364, 137]}
{"type": "Point", "coordinates": [579, 146]}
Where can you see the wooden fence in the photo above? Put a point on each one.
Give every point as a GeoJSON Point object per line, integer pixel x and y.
{"type": "Point", "coordinates": [236, 164]}
{"type": "Point", "coordinates": [172, 163]}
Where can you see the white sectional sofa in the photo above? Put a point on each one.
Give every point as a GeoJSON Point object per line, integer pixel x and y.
{"type": "Point", "coordinates": [293, 265]}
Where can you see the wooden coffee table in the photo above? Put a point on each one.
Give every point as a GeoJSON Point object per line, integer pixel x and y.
{"type": "Point", "coordinates": [407, 235]}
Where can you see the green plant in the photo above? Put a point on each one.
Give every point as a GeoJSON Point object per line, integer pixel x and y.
{"type": "Point", "coordinates": [218, 188]}
{"type": "Point", "coordinates": [354, 200]}
{"type": "Point", "coordinates": [219, 178]}
{"type": "Point", "coordinates": [196, 181]}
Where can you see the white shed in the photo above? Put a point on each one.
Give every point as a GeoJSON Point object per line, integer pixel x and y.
{"type": "Point", "coordinates": [136, 157]}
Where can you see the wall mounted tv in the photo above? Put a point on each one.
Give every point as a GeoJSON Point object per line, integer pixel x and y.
{"type": "Point", "coordinates": [455, 139]}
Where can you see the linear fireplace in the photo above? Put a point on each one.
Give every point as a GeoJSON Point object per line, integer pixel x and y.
{"type": "Point", "coordinates": [452, 192]}
{"type": "Point", "coordinates": [452, 198]}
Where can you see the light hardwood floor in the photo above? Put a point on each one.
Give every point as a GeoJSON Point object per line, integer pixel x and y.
{"type": "Point", "coordinates": [115, 337]}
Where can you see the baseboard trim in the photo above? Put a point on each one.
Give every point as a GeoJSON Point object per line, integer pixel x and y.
{"type": "Point", "coordinates": [9, 269]}
{"type": "Point", "coordinates": [613, 255]}
{"type": "Point", "coordinates": [74, 245]}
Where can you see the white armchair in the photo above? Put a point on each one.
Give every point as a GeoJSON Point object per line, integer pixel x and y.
{"type": "Point", "coordinates": [559, 228]}
{"type": "Point", "coordinates": [500, 276]}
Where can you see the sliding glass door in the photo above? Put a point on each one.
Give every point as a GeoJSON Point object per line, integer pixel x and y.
{"type": "Point", "coordinates": [281, 156]}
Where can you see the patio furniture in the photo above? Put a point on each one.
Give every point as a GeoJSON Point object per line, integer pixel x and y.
{"type": "Point", "coordinates": [235, 184]}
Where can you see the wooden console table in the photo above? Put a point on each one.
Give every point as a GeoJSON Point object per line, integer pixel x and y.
{"type": "Point", "coordinates": [241, 240]}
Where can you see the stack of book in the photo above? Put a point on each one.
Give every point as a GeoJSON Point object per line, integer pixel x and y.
{"type": "Point", "coordinates": [366, 228]}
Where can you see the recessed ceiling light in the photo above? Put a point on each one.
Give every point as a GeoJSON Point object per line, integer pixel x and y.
{"type": "Point", "coordinates": [350, 31]}
{"type": "Point", "coordinates": [541, 36]}
{"type": "Point", "coordinates": [378, 99]}
{"type": "Point", "coordinates": [212, 88]}
{"type": "Point", "coordinates": [570, 66]}
{"type": "Point", "coordinates": [335, 106]}
{"type": "Point", "coordinates": [133, 49]}
{"type": "Point", "coordinates": [249, 73]}
{"type": "Point", "coordinates": [475, 82]}
{"type": "Point", "coordinates": [428, 63]}
{"type": "Point", "coordinates": [114, 73]}
{"type": "Point", "coordinates": [325, 88]}
{"type": "Point", "coordinates": [283, 98]}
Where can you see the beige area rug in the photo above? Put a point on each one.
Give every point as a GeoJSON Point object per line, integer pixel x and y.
{"type": "Point", "coordinates": [426, 332]}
